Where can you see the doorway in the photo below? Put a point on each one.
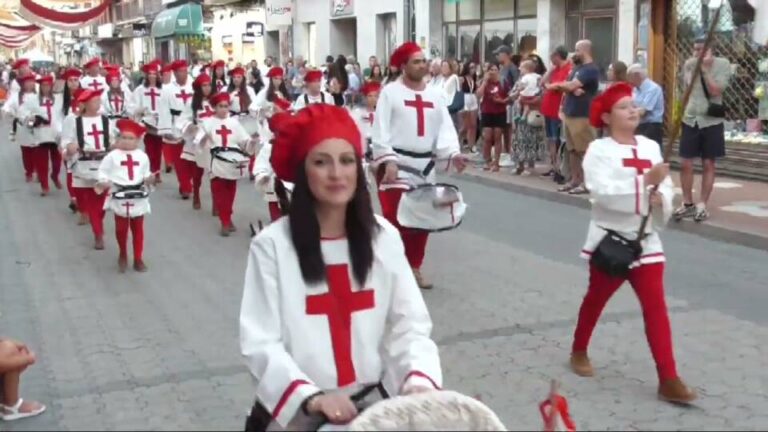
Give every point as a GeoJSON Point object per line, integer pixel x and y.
{"type": "Point", "coordinates": [272, 45]}
{"type": "Point", "coordinates": [343, 37]}
{"type": "Point", "coordinates": [386, 26]}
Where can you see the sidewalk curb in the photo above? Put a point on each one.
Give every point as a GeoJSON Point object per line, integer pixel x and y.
{"type": "Point", "coordinates": [706, 230]}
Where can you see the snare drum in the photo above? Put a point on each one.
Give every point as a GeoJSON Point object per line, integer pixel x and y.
{"type": "Point", "coordinates": [230, 163]}
{"type": "Point", "coordinates": [87, 166]}
{"type": "Point", "coordinates": [129, 201]}
{"type": "Point", "coordinates": [431, 207]}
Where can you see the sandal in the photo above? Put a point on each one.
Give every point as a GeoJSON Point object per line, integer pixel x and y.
{"type": "Point", "coordinates": [566, 188]}
{"type": "Point", "coordinates": [11, 413]}
{"type": "Point", "coordinates": [578, 190]}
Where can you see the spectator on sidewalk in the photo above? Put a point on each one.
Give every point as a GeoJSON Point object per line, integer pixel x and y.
{"type": "Point", "coordinates": [15, 358]}
{"type": "Point", "coordinates": [493, 97]}
{"type": "Point", "coordinates": [580, 89]}
{"type": "Point", "coordinates": [469, 113]}
{"type": "Point", "coordinates": [372, 63]}
{"type": "Point", "coordinates": [703, 133]}
{"type": "Point", "coordinates": [550, 108]}
{"type": "Point", "coordinates": [393, 73]}
{"type": "Point", "coordinates": [649, 98]}
{"type": "Point", "coordinates": [617, 72]}
{"type": "Point", "coordinates": [376, 74]}
{"type": "Point", "coordinates": [529, 134]}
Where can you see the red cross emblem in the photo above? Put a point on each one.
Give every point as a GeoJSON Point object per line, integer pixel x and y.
{"type": "Point", "coordinates": [95, 84]}
{"type": "Point", "coordinates": [95, 132]}
{"type": "Point", "coordinates": [339, 303]}
{"type": "Point", "coordinates": [117, 102]}
{"type": "Point", "coordinates": [419, 104]}
{"type": "Point", "coordinates": [153, 94]}
{"type": "Point", "coordinates": [48, 104]}
{"type": "Point", "coordinates": [184, 96]}
{"type": "Point", "coordinates": [640, 166]}
{"type": "Point", "coordinates": [128, 206]}
{"type": "Point", "coordinates": [129, 163]}
{"type": "Point", "coordinates": [370, 118]}
{"type": "Point", "coordinates": [209, 112]}
{"type": "Point", "coordinates": [224, 133]}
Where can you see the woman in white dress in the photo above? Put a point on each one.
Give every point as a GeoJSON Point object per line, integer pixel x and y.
{"type": "Point", "coordinates": [331, 311]}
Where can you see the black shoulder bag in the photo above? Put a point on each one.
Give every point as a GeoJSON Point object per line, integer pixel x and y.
{"type": "Point", "coordinates": [714, 109]}
{"type": "Point", "coordinates": [615, 253]}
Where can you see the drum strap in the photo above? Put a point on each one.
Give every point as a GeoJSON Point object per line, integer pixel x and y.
{"type": "Point", "coordinates": [424, 173]}
{"type": "Point", "coordinates": [81, 133]}
{"type": "Point", "coordinates": [306, 98]}
{"type": "Point", "coordinates": [412, 154]}
{"type": "Point", "coordinates": [123, 188]}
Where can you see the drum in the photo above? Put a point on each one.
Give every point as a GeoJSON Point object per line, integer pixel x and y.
{"type": "Point", "coordinates": [229, 163]}
{"type": "Point", "coordinates": [87, 166]}
{"type": "Point", "coordinates": [129, 201]}
{"type": "Point", "coordinates": [431, 207]}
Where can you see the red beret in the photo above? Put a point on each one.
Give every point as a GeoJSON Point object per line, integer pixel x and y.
{"type": "Point", "coordinates": [275, 72]}
{"type": "Point", "coordinates": [151, 68]}
{"type": "Point", "coordinates": [313, 76]}
{"type": "Point", "coordinates": [92, 62]}
{"type": "Point", "coordinates": [296, 135]}
{"type": "Point", "coordinates": [27, 77]}
{"type": "Point", "coordinates": [20, 63]}
{"type": "Point", "coordinates": [603, 104]}
{"type": "Point", "coordinates": [237, 71]}
{"type": "Point", "coordinates": [128, 126]}
{"type": "Point", "coordinates": [167, 68]}
{"type": "Point", "coordinates": [179, 64]}
{"type": "Point", "coordinates": [403, 53]}
{"type": "Point", "coordinates": [218, 64]}
{"type": "Point", "coordinates": [87, 95]}
{"type": "Point", "coordinates": [371, 87]}
{"type": "Point", "coordinates": [219, 98]}
{"type": "Point", "coordinates": [71, 73]}
{"type": "Point", "coordinates": [48, 79]}
{"type": "Point", "coordinates": [201, 80]}
{"type": "Point", "coordinates": [113, 75]}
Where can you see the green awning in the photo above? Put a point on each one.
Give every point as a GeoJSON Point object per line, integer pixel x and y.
{"type": "Point", "coordinates": [180, 20]}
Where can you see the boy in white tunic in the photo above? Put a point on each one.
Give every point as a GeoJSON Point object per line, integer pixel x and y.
{"type": "Point", "coordinates": [20, 109]}
{"type": "Point", "coordinates": [264, 175]}
{"type": "Point", "coordinates": [125, 173]}
{"type": "Point", "coordinates": [93, 80]}
{"type": "Point", "coordinates": [47, 121]}
{"type": "Point", "coordinates": [330, 308]}
{"type": "Point", "coordinates": [227, 141]}
{"type": "Point", "coordinates": [116, 103]}
{"type": "Point", "coordinates": [623, 173]}
{"type": "Point", "coordinates": [146, 106]}
{"type": "Point", "coordinates": [412, 128]}
{"type": "Point", "coordinates": [314, 93]}
{"type": "Point", "coordinates": [176, 109]}
{"type": "Point", "coordinates": [22, 68]}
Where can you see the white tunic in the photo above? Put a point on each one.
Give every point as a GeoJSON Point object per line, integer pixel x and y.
{"type": "Point", "coordinates": [177, 98]}
{"type": "Point", "coordinates": [411, 128]}
{"type": "Point", "coordinates": [307, 99]}
{"type": "Point", "coordinates": [235, 98]}
{"type": "Point", "coordinates": [145, 102]}
{"type": "Point", "coordinates": [376, 333]}
{"type": "Point", "coordinates": [49, 109]}
{"type": "Point", "coordinates": [364, 120]}
{"type": "Point", "coordinates": [125, 168]}
{"type": "Point", "coordinates": [22, 112]}
{"type": "Point", "coordinates": [192, 148]}
{"type": "Point", "coordinates": [215, 132]}
{"type": "Point", "coordinates": [613, 173]}
{"type": "Point", "coordinates": [94, 141]}
{"type": "Point", "coordinates": [98, 82]}
{"type": "Point", "coordinates": [116, 106]}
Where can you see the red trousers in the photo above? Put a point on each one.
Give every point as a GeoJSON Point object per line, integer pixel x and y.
{"type": "Point", "coordinates": [42, 154]}
{"type": "Point", "coordinates": [71, 188]}
{"type": "Point", "coordinates": [136, 225]}
{"type": "Point", "coordinates": [153, 145]}
{"type": "Point", "coordinates": [251, 164]}
{"type": "Point", "coordinates": [92, 204]}
{"type": "Point", "coordinates": [197, 179]}
{"type": "Point", "coordinates": [224, 192]}
{"type": "Point", "coordinates": [274, 210]}
{"type": "Point", "coordinates": [415, 242]}
{"type": "Point", "coordinates": [648, 283]}
{"type": "Point", "coordinates": [172, 154]}
{"type": "Point", "coordinates": [28, 160]}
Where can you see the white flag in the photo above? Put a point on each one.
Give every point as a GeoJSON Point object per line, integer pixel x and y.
{"type": "Point", "coordinates": [760, 34]}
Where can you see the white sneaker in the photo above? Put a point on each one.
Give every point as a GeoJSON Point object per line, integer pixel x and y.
{"type": "Point", "coordinates": [506, 160]}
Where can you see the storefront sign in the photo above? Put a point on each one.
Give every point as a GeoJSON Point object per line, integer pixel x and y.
{"type": "Point", "coordinates": [342, 8]}
{"type": "Point", "coordinates": [254, 29]}
{"type": "Point", "coordinates": [279, 12]}
{"type": "Point", "coordinates": [249, 38]}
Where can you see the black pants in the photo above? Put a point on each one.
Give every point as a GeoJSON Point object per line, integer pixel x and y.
{"type": "Point", "coordinates": [654, 131]}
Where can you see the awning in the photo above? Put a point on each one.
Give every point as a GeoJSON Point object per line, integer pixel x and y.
{"type": "Point", "coordinates": [178, 21]}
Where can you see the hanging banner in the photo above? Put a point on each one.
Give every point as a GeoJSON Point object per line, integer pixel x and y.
{"type": "Point", "coordinates": [279, 12]}
{"type": "Point", "coordinates": [55, 19]}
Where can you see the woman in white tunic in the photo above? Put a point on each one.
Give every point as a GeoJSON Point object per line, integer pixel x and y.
{"type": "Point", "coordinates": [19, 108]}
{"type": "Point", "coordinates": [330, 307]}
{"type": "Point", "coordinates": [47, 126]}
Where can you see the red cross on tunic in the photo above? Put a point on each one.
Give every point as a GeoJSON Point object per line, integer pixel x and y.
{"type": "Point", "coordinates": [370, 118]}
{"type": "Point", "coordinates": [95, 84]}
{"type": "Point", "coordinates": [48, 104]}
{"type": "Point", "coordinates": [95, 132]}
{"type": "Point", "coordinates": [128, 206]}
{"type": "Point", "coordinates": [152, 97]}
{"type": "Point", "coordinates": [225, 133]}
{"type": "Point", "coordinates": [129, 163]}
{"type": "Point", "coordinates": [219, 85]}
{"type": "Point", "coordinates": [419, 104]}
{"type": "Point", "coordinates": [117, 102]}
{"type": "Point", "coordinates": [640, 166]}
{"type": "Point", "coordinates": [209, 112]}
{"type": "Point", "coordinates": [183, 95]}
{"type": "Point", "coordinates": [339, 303]}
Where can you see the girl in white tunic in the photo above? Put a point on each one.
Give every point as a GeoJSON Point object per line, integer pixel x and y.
{"type": "Point", "coordinates": [47, 121]}
{"type": "Point", "coordinates": [67, 111]}
{"type": "Point", "coordinates": [195, 158]}
{"type": "Point", "coordinates": [125, 170]}
{"type": "Point", "coordinates": [263, 174]}
{"type": "Point", "coordinates": [330, 307]}
{"type": "Point", "coordinates": [115, 102]}
{"type": "Point", "coordinates": [623, 172]}
{"type": "Point", "coordinates": [244, 105]}
{"type": "Point", "coordinates": [20, 108]}
{"type": "Point", "coordinates": [219, 75]}
{"type": "Point", "coordinates": [146, 107]}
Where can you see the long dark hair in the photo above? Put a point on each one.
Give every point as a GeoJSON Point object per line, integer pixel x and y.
{"type": "Point", "coordinates": [215, 78]}
{"type": "Point", "coordinates": [198, 98]}
{"type": "Point", "coordinates": [271, 90]}
{"type": "Point", "coordinates": [361, 228]}
{"type": "Point", "coordinates": [158, 80]}
{"type": "Point", "coordinates": [242, 94]}
{"type": "Point", "coordinates": [541, 68]}
{"type": "Point", "coordinates": [390, 76]}
{"type": "Point", "coordinates": [339, 71]}
{"type": "Point", "coordinates": [66, 99]}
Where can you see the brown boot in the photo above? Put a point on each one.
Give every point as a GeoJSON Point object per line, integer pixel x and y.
{"type": "Point", "coordinates": [232, 228]}
{"type": "Point", "coordinates": [139, 266]}
{"type": "Point", "coordinates": [580, 364]}
{"type": "Point", "coordinates": [98, 244]}
{"type": "Point", "coordinates": [675, 391]}
{"type": "Point", "coordinates": [196, 203]}
{"type": "Point", "coordinates": [421, 281]}
{"type": "Point", "coordinates": [83, 220]}
{"type": "Point", "coordinates": [185, 196]}
{"type": "Point", "coordinates": [122, 264]}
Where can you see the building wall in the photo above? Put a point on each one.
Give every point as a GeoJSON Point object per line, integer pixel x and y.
{"type": "Point", "coordinates": [356, 34]}
{"type": "Point", "coordinates": [235, 26]}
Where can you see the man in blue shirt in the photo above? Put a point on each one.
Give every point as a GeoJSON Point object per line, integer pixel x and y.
{"type": "Point", "coordinates": [649, 99]}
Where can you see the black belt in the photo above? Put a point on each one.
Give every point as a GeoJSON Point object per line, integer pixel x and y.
{"type": "Point", "coordinates": [123, 188]}
{"type": "Point", "coordinates": [115, 117]}
{"type": "Point", "coordinates": [92, 156]}
{"type": "Point", "coordinates": [415, 155]}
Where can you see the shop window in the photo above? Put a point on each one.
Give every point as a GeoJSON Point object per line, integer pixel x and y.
{"type": "Point", "coordinates": [594, 20]}
{"type": "Point", "coordinates": [469, 43]}
{"type": "Point", "coordinates": [526, 35]}
{"type": "Point", "coordinates": [526, 8]}
{"type": "Point", "coordinates": [449, 10]}
{"type": "Point", "coordinates": [600, 31]}
{"type": "Point", "coordinates": [495, 9]}
{"type": "Point", "coordinates": [469, 9]}
{"type": "Point", "coordinates": [498, 33]}
{"type": "Point", "coordinates": [451, 44]}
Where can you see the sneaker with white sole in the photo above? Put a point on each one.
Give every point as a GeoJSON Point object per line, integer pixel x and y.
{"type": "Point", "coordinates": [701, 215]}
{"type": "Point", "coordinates": [684, 211]}
{"type": "Point", "coordinates": [506, 160]}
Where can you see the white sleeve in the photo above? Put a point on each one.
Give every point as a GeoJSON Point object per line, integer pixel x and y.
{"type": "Point", "coordinates": [381, 135]}
{"type": "Point", "coordinates": [164, 119]}
{"type": "Point", "coordinates": [447, 145]}
{"type": "Point", "coordinates": [262, 169]}
{"type": "Point", "coordinates": [105, 168]}
{"type": "Point", "coordinates": [299, 103]}
{"type": "Point", "coordinates": [129, 106]}
{"type": "Point", "coordinates": [281, 385]}
{"type": "Point", "coordinates": [605, 189]}
{"type": "Point", "coordinates": [241, 136]}
{"type": "Point", "coordinates": [145, 171]}
{"type": "Point", "coordinates": [412, 356]}
{"type": "Point", "coordinates": [67, 132]}
{"type": "Point", "coordinates": [252, 95]}
{"type": "Point", "coordinates": [136, 101]}
{"type": "Point", "coordinates": [10, 106]}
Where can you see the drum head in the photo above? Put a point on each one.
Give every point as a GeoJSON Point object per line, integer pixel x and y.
{"type": "Point", "coordinates": [431, 208]}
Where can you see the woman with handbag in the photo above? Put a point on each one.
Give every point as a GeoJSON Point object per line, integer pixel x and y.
{"type": "Point", "coordinates": [631, 193]}
{"type": "Point", "coordinates": [530, 125]}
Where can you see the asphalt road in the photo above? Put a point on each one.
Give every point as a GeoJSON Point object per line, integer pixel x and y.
{"type": "Point", "coordinates": [160, 350]}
